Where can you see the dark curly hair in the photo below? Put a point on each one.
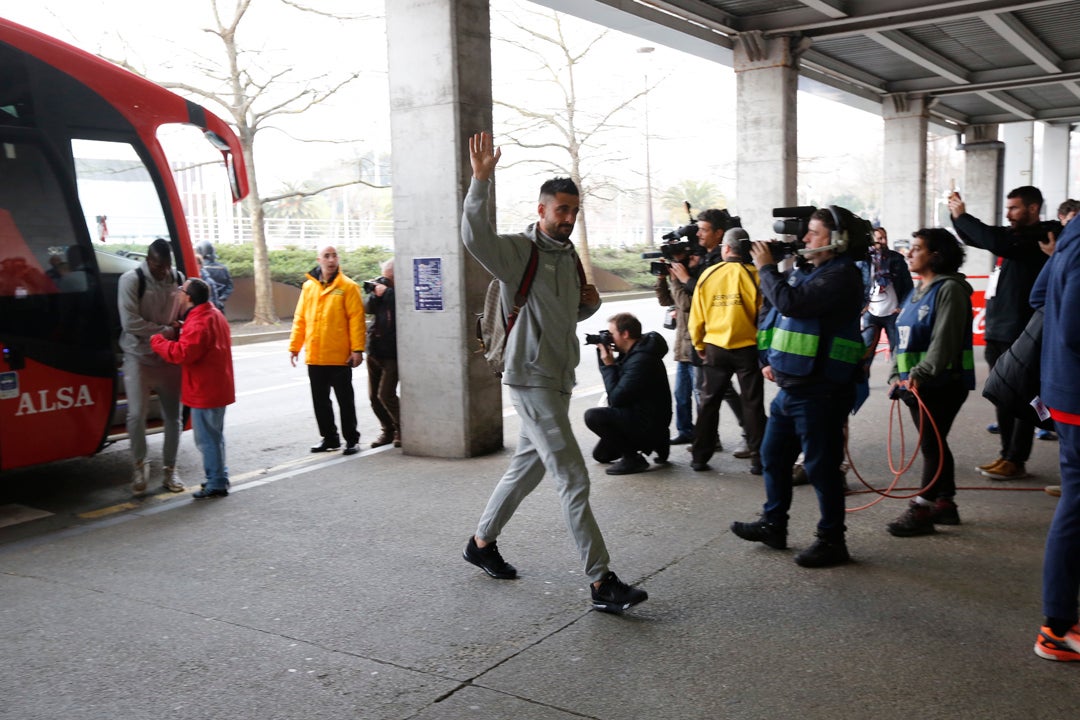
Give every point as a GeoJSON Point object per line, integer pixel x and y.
{"type": "Point", "coordinates": [946, 252]}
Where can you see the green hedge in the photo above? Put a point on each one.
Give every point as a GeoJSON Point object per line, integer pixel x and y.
{"type": "Point", "coordinates": [291, 265]}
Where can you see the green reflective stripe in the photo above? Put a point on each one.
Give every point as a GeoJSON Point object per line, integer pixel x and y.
{"type": "Point", "coordinates": [969, 360]}
{"type": "Point", "coordinates": [764, 338]}
{"type": "Point", "coordinates": [847, 351]}
{"type": "Point", "coordinates": [907, 360]}
{"type": "Point", "coordinates": [794, 343]}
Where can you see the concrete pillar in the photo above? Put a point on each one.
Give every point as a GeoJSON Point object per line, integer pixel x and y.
{"type": "Point", "coordinates": [983, 197]}
{"type": "Point", "coordinates": [983, 158]}
{"type": "Point", "coordinates": [904, 167]}
{"type": "Point", "coordinates": [451, 403]}
{"type": "Point", "coordinates": [1052, 168]}
{"type": "Point", "coordinates": [1019, 140]}
{"type": "Point", "coordinates": [766, 72]}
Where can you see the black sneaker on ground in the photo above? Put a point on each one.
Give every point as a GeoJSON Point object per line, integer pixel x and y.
{"type": "Point", "coordinates": [763, 532]}
{"type": "Point", "coordinates": [824, 553]}
{"type": "Point", "coordinates": [489, 560]}
{"type": "Point", "coordinates": [944, 512]}
{"type": "Point", "coordinates": [916, 520]}
{"type": "Point", "coordinates": [351, 448]}
{"type": "Point", "coordinates": [682, 439]}
{"type": "Point", "coordinates": [628, 465]}
{"type": "Point", "coordinates": [202, 493]}
{"type": "Point", "coordinates": [327, 445]}
{"type": "Point", "coordinates": [614, 595]}
{"type": "Point", "coordinates": [699, 466]}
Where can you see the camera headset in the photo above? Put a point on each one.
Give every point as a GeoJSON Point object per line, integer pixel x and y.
{"type": "Point", "coordinates": [852, 234]}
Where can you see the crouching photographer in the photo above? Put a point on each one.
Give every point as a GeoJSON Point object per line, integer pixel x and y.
{"type": "Point", "coordinates": [638, 412]}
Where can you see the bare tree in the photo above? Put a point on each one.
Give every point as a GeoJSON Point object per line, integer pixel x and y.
{"type": "Point", "coordinates": [566, 126]}
{"type": "Point", "coordinates": [253, 96]}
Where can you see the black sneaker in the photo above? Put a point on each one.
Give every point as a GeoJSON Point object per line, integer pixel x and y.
{"type": "Point", "coordinates": [203, 493]}
{"type": "Point", "coordinates": [763, 532]}
{"type": "Point", "coordinates": [628, 465]}
{"type": "Point", "coordinates": [944, 512]}
{"type": "Point", "coordinates": [824, 553]}
{"type": "Point", "coordinates": [351, 448]}
{"type": "Point", "coordinates": [614, 595]}
{"type": "Point", "coordinates": [916, 520]}
{"type": "Point", "coordinates": [489, 560]}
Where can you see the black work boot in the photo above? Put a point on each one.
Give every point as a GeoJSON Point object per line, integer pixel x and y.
{"type": "Point", "coordinates": [825, 552]}
{"type": "Point", "coordinates": [762, 531]}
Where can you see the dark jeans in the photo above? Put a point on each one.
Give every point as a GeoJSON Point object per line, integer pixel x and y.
{"type": "Point", "coordinates": [719, 366]}
{"type": "Point", "coordinates": [812, 419]}
{"type": "Point", "coordinates": [873, 325]}
{"type": "Point", "coordinates": [943, 403]}
{"type": "Point", "coordinates": [382, 391]}
{"type": "Point", "coordinates": [1016, 435]}
{"type": "Point", "coordinates": [623, 434]}
{"type": "Point", "coordinates": [1061, 564]}
{"type": "Point", "coordinates": [339, 378]}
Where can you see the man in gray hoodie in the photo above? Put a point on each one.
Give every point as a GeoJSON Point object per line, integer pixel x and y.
{"type": "Point", "coordinates": [539, 371]}
{"type": "Point", "coordinates": [148, 303]}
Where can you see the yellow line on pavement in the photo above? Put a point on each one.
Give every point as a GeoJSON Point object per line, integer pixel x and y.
{"type": "Point", "coordinates": [162, 497]}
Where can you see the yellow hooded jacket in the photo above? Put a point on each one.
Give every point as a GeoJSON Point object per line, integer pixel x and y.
{"type": "Point", "coordinates": [329, 321]}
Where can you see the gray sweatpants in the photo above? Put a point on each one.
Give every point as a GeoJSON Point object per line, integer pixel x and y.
{"type": "Point", "coordinates": [139, 379]}
{"type": "Point", "coordinates": [547, 444]}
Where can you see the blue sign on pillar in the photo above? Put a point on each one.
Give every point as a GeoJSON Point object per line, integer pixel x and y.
{"type": "Point", "coordinates": [428, 284]}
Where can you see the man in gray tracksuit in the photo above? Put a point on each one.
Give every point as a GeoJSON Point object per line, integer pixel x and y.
{"type": "Point", "coordinates": [542, 352]}
{"type": "Point", "coordinates": [148, 306]}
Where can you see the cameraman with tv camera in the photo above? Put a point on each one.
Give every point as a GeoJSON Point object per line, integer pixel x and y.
{"type": "Point", "coordinates": [671, 291]}
{"type": "Point", "coordinates": [813, 352]}
{"type": "Point", "coordinates": [638, 410]}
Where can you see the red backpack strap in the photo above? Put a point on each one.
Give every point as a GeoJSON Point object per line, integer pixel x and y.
{"type": "Point", "coordinates": [523, 287]}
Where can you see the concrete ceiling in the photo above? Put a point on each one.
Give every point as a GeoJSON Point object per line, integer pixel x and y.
{"type": "Point", "coordinates": [979, 61]}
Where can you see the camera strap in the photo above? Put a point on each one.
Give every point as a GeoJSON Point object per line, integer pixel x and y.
{"type": "Point", "coordinates": [523, 287]}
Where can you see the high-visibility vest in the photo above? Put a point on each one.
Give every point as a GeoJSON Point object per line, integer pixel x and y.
{"type": "Point", "coordinates": [792, 346]}
{"type": "Point", "coordinates": [915, 325]}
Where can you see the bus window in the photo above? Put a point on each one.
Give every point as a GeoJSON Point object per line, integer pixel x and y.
{"type": "Point", "coordinates": [114, 183]}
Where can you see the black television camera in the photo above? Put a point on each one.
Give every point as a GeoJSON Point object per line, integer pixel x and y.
{"type": "Point", "coordinates": [678, 244]}
{"type": "Point", "coordinates": [369, 285]}
{"type": "Point", "coordinates": [604, 337]}
{"type": "Point", "coordinates": [683, 241]}
{"type": "Point", "coordinates": [852, 236]}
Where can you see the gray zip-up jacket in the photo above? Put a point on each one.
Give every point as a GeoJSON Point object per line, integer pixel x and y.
{"type": "Point", "coordinates": [141, 318]}
{"type": "Point", "coordinates": [542, 349]}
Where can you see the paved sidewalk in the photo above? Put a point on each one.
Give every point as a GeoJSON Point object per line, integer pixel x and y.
{"type": "Point", "coordinates": [339, 592]}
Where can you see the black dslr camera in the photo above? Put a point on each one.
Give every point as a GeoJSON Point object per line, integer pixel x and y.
{"type": "Point", "coordinates": [604, 337]}
{"type": "Point", "coordinates": [369, 285]}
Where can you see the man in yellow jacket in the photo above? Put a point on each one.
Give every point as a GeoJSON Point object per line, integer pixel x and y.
{"type": "Point", "coordinates": [329, 325]}
{"type": "Point", "coordinates": [723, 331]}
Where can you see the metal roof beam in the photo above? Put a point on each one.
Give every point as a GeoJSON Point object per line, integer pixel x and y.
{"type": "Point", "coordinates": [885, 15]}
{"type": "Point", "coordinates": [829, 8]}
{"type": "Point", "coordinates": [1008, 103]}
{"type": "Point", "coordinates": [842, 70]}
{"type": "Point", "coordinates": [690, 10]}
{"type": "Point", "coordinates": [1020, 37]}
{"type": "Point", "coordinates": [921, 55]}
{"type": "Point", "coordinates": [1073, 87]}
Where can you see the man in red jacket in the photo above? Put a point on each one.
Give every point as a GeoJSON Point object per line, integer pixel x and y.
{"type": "Point", "coordinates": [204, 352]}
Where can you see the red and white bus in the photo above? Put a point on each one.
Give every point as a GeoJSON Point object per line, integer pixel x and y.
{"type": "Point", "coordinates": [72, 124]}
